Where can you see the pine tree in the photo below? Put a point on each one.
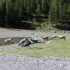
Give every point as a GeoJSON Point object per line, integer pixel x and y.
{"type": "Point", "coordinates": [38, 10]}
{"type": "Point", "coordinates": [52, 11]}
{"type": "Point", "coordinates": [56, 11]}
{"type": "Point", "coordinates": [28, 5]}
{"type": "Point", "coordinates": [2, 11]}
{"type": "Point", "coordinates": [44, 6]}
{"type": "Point", "coordinates": [33, 6]}
{"type": "Point", "coordinates": [68, 9]}
{"type": "Point", "coordinates": [60, 10]}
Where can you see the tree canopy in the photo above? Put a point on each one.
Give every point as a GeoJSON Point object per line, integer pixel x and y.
{"type": "Point", "coordinates": [12, 12]}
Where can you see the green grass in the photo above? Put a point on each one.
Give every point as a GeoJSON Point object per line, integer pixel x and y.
{"type": "Point", "coordinates": [57, 48]}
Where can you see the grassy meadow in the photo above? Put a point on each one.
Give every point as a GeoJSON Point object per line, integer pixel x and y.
{"type": "Point", "coordinates": [57, 48]}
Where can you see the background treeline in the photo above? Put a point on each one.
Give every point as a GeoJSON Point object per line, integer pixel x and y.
{"type": "Point", "coordinates": [34, 13]}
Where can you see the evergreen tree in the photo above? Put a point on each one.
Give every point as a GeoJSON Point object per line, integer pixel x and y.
{"type": "Point", "coordinates": [57, 11]}
{"type": "Point", "coordinates": [44, 6]}
{"type": "Point", "coordinates": [68, 9]}
{"type": "Point", "coordinates": [38, 10]}
{"type": "Point", "coordinates": [33, 6]}
{"type": "Point", "coordinates": [60, 10]}
{"type": "Point", "coordinates": [52, 11]}
{"type": "Point", "coordinates": [28, 5]}
{"type": "Point", "coordinates": [2, 11]}
{"type": "Point", "coordinates": [65, 11]}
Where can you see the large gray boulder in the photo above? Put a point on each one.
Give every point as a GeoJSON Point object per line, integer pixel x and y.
{"type": "Point", "coordinates": [31, 40]}
{"type": "Point", "coordinates": [24, 42]}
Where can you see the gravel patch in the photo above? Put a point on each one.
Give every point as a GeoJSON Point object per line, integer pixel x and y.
{"type": "Point", "coordinates": [21, 62]}
{"type": "Point", "coordinates": [4, 33]}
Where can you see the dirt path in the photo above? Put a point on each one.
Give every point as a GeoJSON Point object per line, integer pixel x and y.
{"type": "Point", "coordinates": [4, 32]}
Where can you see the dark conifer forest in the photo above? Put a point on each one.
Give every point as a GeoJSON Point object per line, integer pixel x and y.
{"type": "Point", "coordinates": [30, 14]}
